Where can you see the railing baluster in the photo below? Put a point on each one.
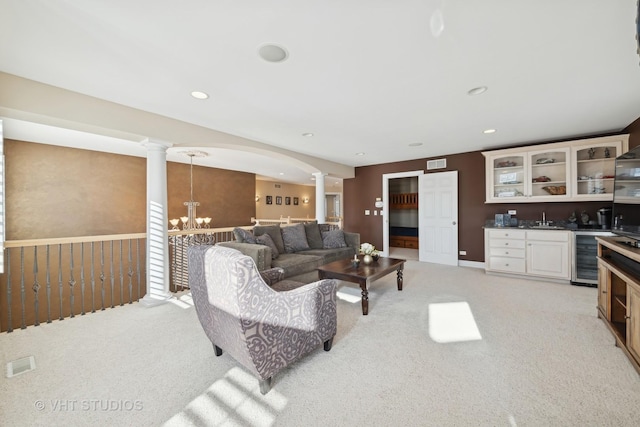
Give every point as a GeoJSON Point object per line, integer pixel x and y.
{"type": "Point", "coordinates": [130, 274]}
{"type": "Point", "coordinates": [111, 271]}
{"type": "Point", "coordinates": [93, 278]}
{"type": "Point", "coordinates": [72, 281]}
{"type": "Point", "coordinates": [22, 291]}
{"type": "Point", "coordinates": [121, 277]}
{"type": "Point", "coordinates": [36, 286]}
{"type": "Point", "coordinates": [9, 320]}
{"type": "Point", "coordinates": [82, 277]}
{"type": "Point", "coordinates": [138, 264]}
{"type": "Point", "coordinates": [48, 279]}
{"type": "Point", "coordinates": [60, 278]}
{"type": "Point", "coordinates": [102, 274]}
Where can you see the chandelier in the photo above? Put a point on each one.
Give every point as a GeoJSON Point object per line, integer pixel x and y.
{"type": "Point", "coordinates": [191, 221]}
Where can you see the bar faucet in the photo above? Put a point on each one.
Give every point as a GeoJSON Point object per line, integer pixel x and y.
{"type": "Point", "coordinates": [544, 218]}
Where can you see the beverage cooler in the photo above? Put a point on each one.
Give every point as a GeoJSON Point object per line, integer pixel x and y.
{"type": "Point", "coordinates": [585, 266]}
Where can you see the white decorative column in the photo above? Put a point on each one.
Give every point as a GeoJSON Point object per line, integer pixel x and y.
{"type": "Point", "coordinates": [157, 235]}
{"type": "Point", "coordinates": [321, 200]}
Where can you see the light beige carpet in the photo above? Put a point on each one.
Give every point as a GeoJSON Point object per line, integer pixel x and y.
{"type": "Point", "coordinates": [455, 348]}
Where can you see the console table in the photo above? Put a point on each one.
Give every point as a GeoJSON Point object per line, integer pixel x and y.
{"type": "Point", "coordinates": [619, 293]}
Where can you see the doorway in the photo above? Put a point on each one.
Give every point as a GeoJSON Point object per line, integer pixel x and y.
{"type": "Point", "coordinates": [386, 205]}
{"type": "Point", "coordinates": [332, 207]}
{"type": "Point", "coordinates": [437, 215]}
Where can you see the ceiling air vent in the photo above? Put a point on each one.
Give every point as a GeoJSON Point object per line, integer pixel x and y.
{"type": "Point", "coordinates": [436, 164]}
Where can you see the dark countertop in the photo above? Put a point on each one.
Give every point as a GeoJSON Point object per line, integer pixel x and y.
{"type": "Point", "coordinates": [555, 225]}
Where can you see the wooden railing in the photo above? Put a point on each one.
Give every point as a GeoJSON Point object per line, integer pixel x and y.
{"type": "Point", "coordinates": [403, 201]}
{"type": "Point", "coordinates": [52, 279]}
{"type": "Point", "coordinates": [336, 221]}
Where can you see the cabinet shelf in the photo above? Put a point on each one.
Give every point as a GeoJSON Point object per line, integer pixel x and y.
{"type": "Point", "coordinates": [549, 183]}
{"type": "Point", "coordinates": [606, 159]}
{"type": "Point", "coordinates": [538, 165]}
{"type": "Point", "coordinates": [621, 300]}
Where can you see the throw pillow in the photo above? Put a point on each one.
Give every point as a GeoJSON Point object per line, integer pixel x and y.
{"type": "Point", "coordinates": [243, 236]}
{"type": "Point", "coordinates": [294, 238]}
{"type": "Point", "coordinates": [314, 238]}
{"type": "Point", "coordinates": [333, 239]}
{"type": "Point", "coordinates": [265, 239]}
{"type": "Point", "coordinates": [273, 231]}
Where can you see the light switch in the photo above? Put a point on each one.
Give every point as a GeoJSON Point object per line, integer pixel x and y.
{"type": "Point", "coordinates": [367, 212]}
{"type": "Point", "coordinates": [375, 213]}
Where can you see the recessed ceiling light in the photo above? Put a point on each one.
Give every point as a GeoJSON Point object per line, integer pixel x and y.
{"type": "Point", "coordinates": [489, 131]}
{"type": "Point", "coordinates": [415, 144]}
{"type": "Point", "coordinates": [307, 134]}
{"type": "Point", "coordinates": [199, 95]}
{"type": "Point", "coordinates": [313, 178]}
{"type": "Point", "coordinates": [281, 173]}
{"type": "Point", "coordinates": [272, 53]}
{"type": "Point", "coordinates": [359, 154]}
{"type": "Point", "coordinates": [477, 90]}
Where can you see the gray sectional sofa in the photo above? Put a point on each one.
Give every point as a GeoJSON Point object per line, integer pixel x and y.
{"type": "Point", "coordinates": [297, 249]}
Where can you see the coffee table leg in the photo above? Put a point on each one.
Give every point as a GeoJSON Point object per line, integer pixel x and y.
{"type": "Point", "coordinates": [365, 299]}
{"type": "Point", "coordinates": [400, 279]}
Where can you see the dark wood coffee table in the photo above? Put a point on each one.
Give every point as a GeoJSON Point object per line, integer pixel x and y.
{"type": "Point", "coordinates": [363, 274]}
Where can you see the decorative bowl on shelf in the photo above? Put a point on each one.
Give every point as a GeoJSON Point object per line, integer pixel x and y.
{"type": "Point", "coordinates": [555, 190]}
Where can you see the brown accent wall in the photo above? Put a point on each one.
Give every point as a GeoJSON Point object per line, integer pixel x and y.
{"type": "Point", "coordinates": [228, 197]}
{"type": "Point", "coordinates": [634, 133]}
{"type": "Point", "coordinates": [54, 191]}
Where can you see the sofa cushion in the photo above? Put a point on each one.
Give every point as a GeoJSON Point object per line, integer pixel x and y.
{"type": "Point", "coordinates": [265, 239]}
{"type": "Point", "coordinates": [294, 264]}
{"type": "Point", "coordinates": [333, 239]}
{"type": "Point", "coordinates": [243, 236]}
{"type": "Point", "coordinates": [294, 238]}
{"type": "Point", "coordinates": [274, 232]}
{"type": "Point", "coordinates": [314, 238]}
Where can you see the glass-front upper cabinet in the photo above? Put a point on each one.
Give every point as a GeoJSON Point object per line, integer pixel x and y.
{"type": "Point", "coordinates": [594, 172]}
{"type": "Point", "coordinates": [507, 177]}
{"type": "Point", "coordinates": [557, 172]}
{"type": "Point", "coordinates": [549, 174]}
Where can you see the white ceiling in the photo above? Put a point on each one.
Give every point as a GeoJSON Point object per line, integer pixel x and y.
{"type": "Point", "coordinates": [366, 77]}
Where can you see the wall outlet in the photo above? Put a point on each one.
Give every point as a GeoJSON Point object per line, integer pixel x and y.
{"type": "Point", "coordinates": [511, 211]}
{"type": "Point", "coordinates": [463, 252]}
{"type": "Point", "coordinates": [367, 212]}
{"type": "Point", "coordinates": [375, 213]}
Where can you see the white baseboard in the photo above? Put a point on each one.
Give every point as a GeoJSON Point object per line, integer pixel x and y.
{"type": "Point", "coordinates": [474, 264]}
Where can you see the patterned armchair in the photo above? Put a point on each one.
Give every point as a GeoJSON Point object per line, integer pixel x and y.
{"type": "Point", "coordinates": [263, 329]}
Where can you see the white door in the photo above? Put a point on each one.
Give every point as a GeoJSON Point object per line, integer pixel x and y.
{"type": "Point", "coordinates": [438, 217]}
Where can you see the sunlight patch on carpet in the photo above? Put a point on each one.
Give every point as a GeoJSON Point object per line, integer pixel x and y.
{"type": "Point", "coordinates": [183, 301]}
{"type": "Point", "coordinates": [452, 322]}
{"type": "Point", "coordinates": [348, 294]}
{"type": "Point", "coordinates": [234, 399]}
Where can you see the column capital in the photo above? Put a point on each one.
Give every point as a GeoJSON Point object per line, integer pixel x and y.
{"type": "Point", "coordinates": [153, 144]}
{"type": "Point", "coordinates": [317, 174]}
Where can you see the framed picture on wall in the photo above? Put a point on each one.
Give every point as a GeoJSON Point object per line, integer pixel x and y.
{"type": "Point", "coordinates": [269, 200]}
{"type": "Point", "coordinates": [278, 200]}
{"type": "Point", "coordinates": [296, 201]}
{"type": "Point", "coordinates": [287, 200]}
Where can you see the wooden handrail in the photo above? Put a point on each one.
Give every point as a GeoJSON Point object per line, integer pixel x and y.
{"type": "Point", "coordinates": [68, 240]}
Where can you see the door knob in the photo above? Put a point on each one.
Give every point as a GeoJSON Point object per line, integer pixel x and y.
{"type": "Point", "coordinates": [454, 223]}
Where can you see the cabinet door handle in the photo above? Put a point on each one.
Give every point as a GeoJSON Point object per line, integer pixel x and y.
{"type": "Point", "coordinates": [507, 253]}
{"type": "Point", "coordinates": [506, 244]}
{"type": "Point", "coordinates": [506, 265]}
